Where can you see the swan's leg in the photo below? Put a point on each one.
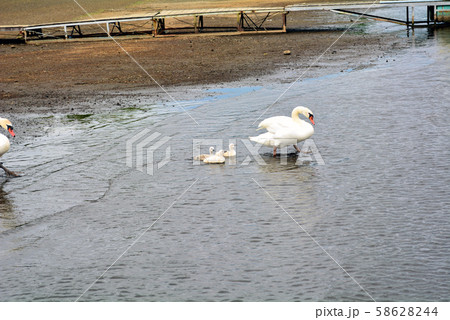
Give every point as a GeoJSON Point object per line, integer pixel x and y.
{"type": "Point", "coordinates": [9, 172]}
{"type": "Point", "coordinates": [296, 148]}
{"type": "Point", "coordinates": [274, 151]}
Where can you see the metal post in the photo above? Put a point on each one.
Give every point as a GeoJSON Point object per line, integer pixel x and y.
{"type": "Point", "coordinates": [159, 26]}
{"type": "Point", "coordinates": [412, 16]}
{"type": "Point", "coordinates": [196, 24]}
{"type": "Point", "coordinates": [407, 16]}
{"type": "Point", "coordinates": [283, 17]}
{"type": "Point", "coordinates": [107, 29]}
{"type": "Point", "coordinates": [65, 32]}
{"type": "Point", "coordinates": [240, 22]}
{"type": "Point", "coordinates": [435, 15]}
{"type": "Point", "coordinates": [430, 14]}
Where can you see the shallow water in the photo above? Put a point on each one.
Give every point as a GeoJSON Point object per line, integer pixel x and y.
{"type": "Point", "coordinates": [370, 222]}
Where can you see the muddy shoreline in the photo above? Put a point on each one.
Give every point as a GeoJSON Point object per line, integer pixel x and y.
{"type": "Point", "coordinates": [95, 75]}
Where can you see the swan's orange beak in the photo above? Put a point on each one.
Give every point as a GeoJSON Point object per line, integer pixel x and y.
{"type": "Point", "coordinates": [11, 132]}
{"type": "Point", "coordinates": [311, 118]}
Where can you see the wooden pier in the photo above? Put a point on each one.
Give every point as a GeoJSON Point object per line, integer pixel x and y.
{"type": "Point", "coordinates": [247, 19]}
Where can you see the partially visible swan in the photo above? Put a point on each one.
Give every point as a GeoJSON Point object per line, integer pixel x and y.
{"type": "Point", "coordinates": [231, 152]}
{"type": "Point", "coordinates": [283, 131]}
{"type": "Point", "coordinates": [204, 156]}
{"type": "Point", "coordinates": [4, 143]}
{"type": "Point", "coordinates": [217, 158]}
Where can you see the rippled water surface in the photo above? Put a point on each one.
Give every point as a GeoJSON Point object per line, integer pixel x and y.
{"type": "Point", "coordinates": [370, 222]}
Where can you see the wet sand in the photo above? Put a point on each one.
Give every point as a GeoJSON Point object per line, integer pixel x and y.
{"type": "Point", "coordinates": [94, 74]}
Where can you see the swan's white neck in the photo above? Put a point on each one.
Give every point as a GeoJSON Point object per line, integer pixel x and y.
{"type": "Point", "coordinates": [297, 111]}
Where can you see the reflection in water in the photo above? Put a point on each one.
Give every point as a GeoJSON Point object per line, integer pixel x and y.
{"type": "Point", "coordinates": [285, 162]}
{"type": "Point", "coordinates": [290, 181]}
{"type": "Point", "coordinates": [7, 216]}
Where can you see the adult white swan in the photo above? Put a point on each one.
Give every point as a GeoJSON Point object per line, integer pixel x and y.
{"type": "Point", "coordinates": [283, 131]}
{"type": "Point", "coordinates": [4, 143]}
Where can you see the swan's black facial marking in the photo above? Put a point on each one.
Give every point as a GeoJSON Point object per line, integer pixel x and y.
{"type": "Point", "coordinates": [311, 118]}
{"type": "Point", "coordinates": [10, 130]}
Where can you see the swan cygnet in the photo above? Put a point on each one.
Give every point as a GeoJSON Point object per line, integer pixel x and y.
{"type": "Point", "coordinates": [231, 152]}
{"type": "Point", "coordinates": [204, 156]}
{"type": "Point", "coordinates": [216, 158]}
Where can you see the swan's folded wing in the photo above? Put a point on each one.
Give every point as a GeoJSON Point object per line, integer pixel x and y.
{"type": "Point", "coordinates": [298, 133]}
{"type": "Point", "coordinates": [276, 124]}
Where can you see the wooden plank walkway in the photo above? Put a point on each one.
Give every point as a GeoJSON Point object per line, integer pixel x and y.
{"type": "Point", "coordinates": [246, 18]}
{"type": "Point", "coordinates": [157, 19]}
